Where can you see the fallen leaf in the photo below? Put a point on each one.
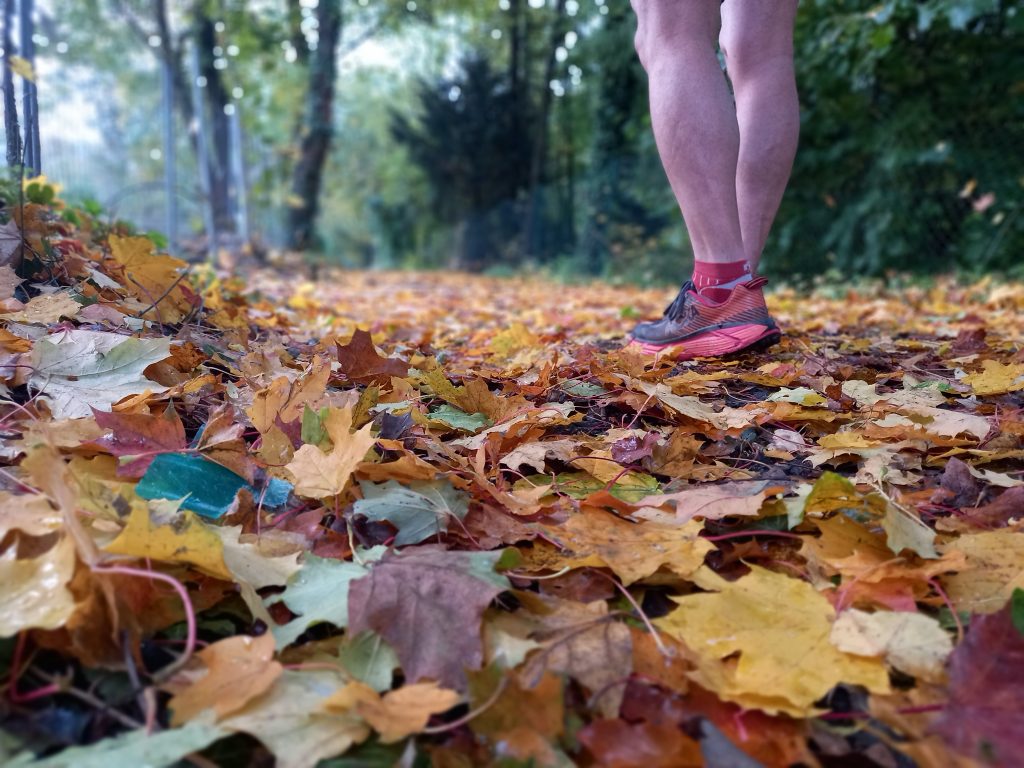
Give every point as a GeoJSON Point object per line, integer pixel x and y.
{"type": "Point", "coordinates": [427, 603]}
{"type": "Point", "coordinates": [779, 627]}
{"type": "Point", "coordinates": [995, 568]}
{"type": "Point", "coordinates": [291, 720]}
{"type": "Point", "coordinates": [633, 551]}
{"type": "Point", "coordinates": [177, 538]}
{"type": "Point", "coordinates": [996, 378]}
{"type": "Point", "coordinates": [418, 511]}
{"type": "Point", "coordinates": [45, 309]}
{"type": "Point", "coordinates": [618, 744]}
{"type": "Point", "coordinates": [79, 371]}
{"type": "Point", "coordinates": [397, 714]}
{"type": "Point", "coordinates": [318, 474]}
{"type": "Point", "coordinates": [986, 692]}
{"type": "Point", "coordinates": [360, 362]}
{"type": "Point", "coordinates": [318, 592]}
{"type": "Point", "coordinates": [238, 669]}
{"type": "Point", "coordinates": [138, 747]}
{"type": "Point", "coordinates": [35, 593]}
{"type": "Point", "coordinates": [911, 642]}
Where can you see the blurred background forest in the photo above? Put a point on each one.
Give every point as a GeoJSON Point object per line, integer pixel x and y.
{"type": "Point", "coordinates": [501, 135]}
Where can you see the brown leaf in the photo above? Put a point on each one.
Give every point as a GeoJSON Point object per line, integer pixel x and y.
{"type": "Point", "coordinates": [523, 719]}
{"type": "Point", "coordinates": [360, 362]}
{"type": "Point", "coordinates": [427, 603]}
{"type": "Point", "coordinates": [618, 744]}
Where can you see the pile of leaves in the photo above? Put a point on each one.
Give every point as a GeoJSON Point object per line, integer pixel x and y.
{"type": "Point", "coordinates": [447, 520]}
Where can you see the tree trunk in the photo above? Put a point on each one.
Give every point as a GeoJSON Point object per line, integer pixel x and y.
{"type": "Point", "coordinates": [219, 137]}
{"type": "Point", "coordinates": [12, 130]}
{"type": "Point", "coordinates": [315, 141]}
{"type": "Point", "coordinates": [532, 230]}
{"type": "Point", "coordinates": [168, 62]}
{"type": "Point", "coordinates": [29, 99]}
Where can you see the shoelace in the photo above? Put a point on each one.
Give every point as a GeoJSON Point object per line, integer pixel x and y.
{"type": "Point", "coordinates": [675, 310]}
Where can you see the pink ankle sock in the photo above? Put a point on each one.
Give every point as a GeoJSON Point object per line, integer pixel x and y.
{"type": "Point", "coordinates": [716, 280]}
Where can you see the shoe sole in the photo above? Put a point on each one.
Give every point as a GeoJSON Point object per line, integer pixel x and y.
{"type": "Point", "coordinates": [716, 343]}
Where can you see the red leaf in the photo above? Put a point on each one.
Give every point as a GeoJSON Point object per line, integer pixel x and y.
{"type": "Point", "coordinates": [985, 715]}
{"type": "Point", "coordinates": [132, 434]}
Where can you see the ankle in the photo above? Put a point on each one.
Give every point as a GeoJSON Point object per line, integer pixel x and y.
{"type": "Point", "coordinates": [715, 280]}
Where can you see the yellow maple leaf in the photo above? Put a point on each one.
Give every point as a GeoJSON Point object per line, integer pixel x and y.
{"type": "Point", "coordinates": [397, 714]}
{"type": "Point", "coordinates": [35, 593]}
{"type": "Point", "coordinates": [843, 440]}
{"type": "Point", "coordinates": [632, 550]}
{"type": "Point", "coordinates": [996, 378]}
{"type": "Point", "coordinates": [183, 540]}
{"type": "Point", "coordinates": [239, 669]}
{"type": "Point", "coordinates": [151, 276]}
{"type": "Point", "coordinates": [319, 475]}
{"type": "Point", "coordinates": [995, 568]}
{"type": "Point", "coordinates": [511, 340]}
{"type": "Point", "coordinates": [779, 626]}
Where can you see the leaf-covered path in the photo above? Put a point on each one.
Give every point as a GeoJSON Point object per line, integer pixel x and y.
{"type": "Point", "coordinates": [450, 517]}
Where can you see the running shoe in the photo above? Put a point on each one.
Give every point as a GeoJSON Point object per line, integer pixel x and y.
{"type": "Point", "coordinates": [699, 327]}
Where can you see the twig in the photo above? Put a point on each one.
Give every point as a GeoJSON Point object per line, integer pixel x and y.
{"type": "Point", "coordinates": [640, 612]}
{"type": "Point", "coordinates": [455, 724]}
{"type": "Point", "coordinates": [161, 297]}
{"type": "Point", "coordinates": [190, 614]}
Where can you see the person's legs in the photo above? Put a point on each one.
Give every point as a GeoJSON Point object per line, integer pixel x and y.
{"type": "Point", "coordinates": [757, 40]}
{"type": "Point", "coordinates": [694, 120]}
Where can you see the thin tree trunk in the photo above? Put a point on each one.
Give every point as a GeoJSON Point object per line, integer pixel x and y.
{"type": "Point", "coordinates": [315, 141]}
{"type": "Point", "coordinates": [12, 130]}
{"type": "Point", "coordinates": [532, 230]}
{"type": "Point", "coordinates": [219, 129]}
{"type": "Point", "coordinates": [29, 100]}
{"type": "Point", "coordinates": [167, 64]}
{"type": "Point", "coordinates": [202, 155]}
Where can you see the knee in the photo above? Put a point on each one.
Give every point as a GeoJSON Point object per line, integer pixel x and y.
{"type": "Point", "coordinates": [747, 54]}
{"type": "Point", "coordinates": [665, 27]}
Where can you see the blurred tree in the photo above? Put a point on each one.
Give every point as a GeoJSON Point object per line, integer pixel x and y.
{"type": "Point", "coordinates": [468, 143]}
{"type": "Point", "coordinates": [317, 127]}
{"type": "Point", "coordinates": [617, 219]}
{"type": "Point", "coordinates": [12, 130]}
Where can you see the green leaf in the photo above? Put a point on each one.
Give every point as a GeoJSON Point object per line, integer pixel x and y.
{"type": "Point", "coordinates": [903, 530]}
{"type": "Point", "coordinates": [313, 431]}
{"type": "Point", "coordinates": [319, 592]}
{"type": "Point", "coordinates": [631, 487]}
{"type": "Point", "coordinates": [455, 418]}
{"type": "Point", "coordinates": [418, 511]}
{"type": "Point", "coordinates": [133, 748]}
{"type": "Point", "coordinates": [78, 370]}
{"type": "Point", "coordinates": [369, 659]}
{"type": "Point", "coordinates": [1017, 610]}
{"type": "Point", "coordinates": [582, 389]}
{"type": "Point", "coordinates": [373, 754]}
{"type": "Point", "coordinates": [833, 492]}
{"type": "Point", "coordinates": [207, 488]}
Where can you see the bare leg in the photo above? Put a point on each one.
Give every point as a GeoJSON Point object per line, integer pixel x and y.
{"type": "Point", "coordinates": [757, 39]}
{"type": "Point", "coordinates": [694, 120]}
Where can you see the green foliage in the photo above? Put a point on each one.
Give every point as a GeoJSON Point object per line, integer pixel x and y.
{"type": "Point", "coordinates": [909, 119]}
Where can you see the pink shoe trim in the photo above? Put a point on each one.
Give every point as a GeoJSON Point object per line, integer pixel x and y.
{"type": "Point", "coordinates": [711, 344]}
